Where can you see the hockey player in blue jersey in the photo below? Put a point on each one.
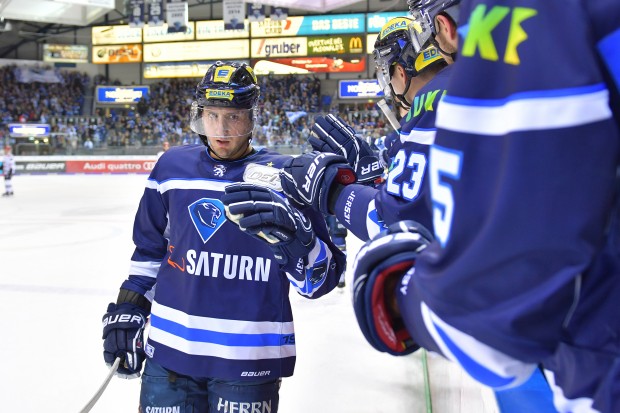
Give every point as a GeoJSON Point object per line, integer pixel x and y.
{"type": "Point", "coordinates": [214, 260]}
{"type": "Point", "coordinates": [524, 266]}
{"type": "Point", "coordinates": [363, 209]}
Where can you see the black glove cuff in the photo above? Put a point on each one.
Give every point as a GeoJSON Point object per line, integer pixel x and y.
{"type": "Point", "coordinates": [132, 297]}
{"type": "Point", "coordinates": [332, 198]}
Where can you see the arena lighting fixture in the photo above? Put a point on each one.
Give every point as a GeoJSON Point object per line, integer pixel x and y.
{"type": "Point", "coordinates": [311, 5]}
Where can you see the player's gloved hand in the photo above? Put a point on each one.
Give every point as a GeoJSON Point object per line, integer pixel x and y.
{"type": "Point", "coordinates": [9, 174]}
{"type": "Point", "coordinates": [379, 267]}
{"type": "Point", "coordinates": [308, 179]}
{"type": "Point", "coordinates": [263, 214]}
{"type": "Point", "coordinates": [332, 134]}
{"type": "Point", "coordinates": [123, 330]}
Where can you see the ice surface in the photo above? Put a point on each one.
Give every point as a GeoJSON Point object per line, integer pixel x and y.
{"type": "Point", "coordinates": [65, 244]}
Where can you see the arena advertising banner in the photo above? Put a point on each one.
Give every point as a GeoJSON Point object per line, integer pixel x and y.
{"type": "Point", "coordinates": [178, 69]}
{"type": "Point", "coordinates": [110, 166]}
{"type": "Point", "coordinates": [215, 29]}
{"type": "Point", "coordinates": [116, 35]}
{"type": "Point", "coordinates": [375, 21]}
{"type": "Point", "coordinates": [310, 25]}
{"type": "Point", "coordinates": [310, 64]}
{"type": "Point", "coordinates": [280, 47]}
{"type": "Point", "coordinates": [26, 130]}
{"type": "Point", "coordinates": [355, 89]}
{"type": "Point", "coordinates": [191, 51]}
{"type": "Point", "coordinates": [84, 165]}
{"type": "Point", "coordinates": [370, 42]}
{"type": "Point", "coordinates": [40, 167]}
{"type": "Point", "coordinates": [126, 53]}
{"type": "Point", "coordinates": [65, 53]}
{"type": "Point", "coordinates": [120, 95]}
{"type": "Point", "coordinates": [307, 46]}
{"type": "Point", "coordinates": [152, 34]}
{"type": "Point", "coordinates": [329, 45]}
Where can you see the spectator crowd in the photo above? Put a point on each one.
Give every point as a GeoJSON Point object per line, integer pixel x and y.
{"type": "Point", "coordinates": [287, 109]}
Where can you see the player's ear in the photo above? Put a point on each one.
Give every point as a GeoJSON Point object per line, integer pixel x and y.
{"type": "Point", "coordinates": [444, 24]}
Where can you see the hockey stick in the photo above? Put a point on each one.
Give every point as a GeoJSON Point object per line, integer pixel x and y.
{"type": "Point", "coordinates": [102, 388]}
{"type": "Point", "coordinates": [389, 114]}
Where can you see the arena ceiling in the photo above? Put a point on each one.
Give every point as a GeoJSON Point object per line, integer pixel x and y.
{"type": "Point", "coordinates": [74, 12]}
{"type": "Point", "coordinates": [25, 21]}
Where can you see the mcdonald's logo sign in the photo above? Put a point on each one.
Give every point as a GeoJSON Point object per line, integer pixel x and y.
{"type": "Point", "coordinates": [356, 45]}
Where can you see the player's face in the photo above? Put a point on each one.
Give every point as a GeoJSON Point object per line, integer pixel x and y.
{"type": "Point", "coordinates": [229, 148]}
{"type": "Point", "coordinates": [225, 123]}
{"type": "Point", "coordinates": [228, 131]}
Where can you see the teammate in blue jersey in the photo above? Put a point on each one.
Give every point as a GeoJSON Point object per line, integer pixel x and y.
{"type": "Point", "coordinates": [524, 266]}
{"type": "Point", "coordinates": [217, 249]}
{"type": "Point", "coordinates": [405, 75]}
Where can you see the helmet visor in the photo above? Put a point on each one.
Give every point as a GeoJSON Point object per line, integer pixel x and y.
{"type": "Point", "coordinates": [383, 58]}
{"type": "Point", "coordinates": [221, 122]}
{"type": "Point", "coordinates": [421, 31]}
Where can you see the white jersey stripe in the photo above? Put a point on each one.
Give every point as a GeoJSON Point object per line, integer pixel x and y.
{"type": "Point", "coordinates": [221, 325]}
{"type": "Point", "coordinates": [421, 136]}
{"type": "Point", "coordinates": [144, 268]}
{"type": "Point", "coordinates": [221, 351]}
{"type": "Point", "coordinates": [205, 184]}
{"type": "Point", "coordinates": [531, 113]}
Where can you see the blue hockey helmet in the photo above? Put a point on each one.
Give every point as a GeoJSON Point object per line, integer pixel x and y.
{"type": "Point", "coordinates": [422, 30]}
{"type": "Point", "coordinates": [393, 46]}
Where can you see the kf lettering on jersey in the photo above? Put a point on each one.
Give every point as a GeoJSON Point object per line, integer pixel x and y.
{"type": "Point", "coordinates": [481, 27]}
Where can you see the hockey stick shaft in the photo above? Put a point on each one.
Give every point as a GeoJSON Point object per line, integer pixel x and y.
{"type": "Point", "coordinates": [102, 388]}
{"type": "Point", "coordinates": [388, 114]}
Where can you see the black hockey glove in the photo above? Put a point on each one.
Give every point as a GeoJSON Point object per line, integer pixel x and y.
{"type": "Point", "coordinates": [123, 330]}
{"type": "Point", "coordinates": [8, 175]}
{"type": "Point", "coordinates": [267, 216]}
{"type": "Point", "coordinates": [308, 179]}
{"type": "Point", "coordinates": [332, 134]}
{"type": "Point", "coordinates": [379, 267]}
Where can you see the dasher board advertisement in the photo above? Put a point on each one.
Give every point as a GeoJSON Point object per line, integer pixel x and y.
{"type": "Point", "coordinates": [121, 95]}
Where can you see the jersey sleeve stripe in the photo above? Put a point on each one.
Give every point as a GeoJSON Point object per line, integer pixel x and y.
{"type": "Point", "coordinates": [550, 110]}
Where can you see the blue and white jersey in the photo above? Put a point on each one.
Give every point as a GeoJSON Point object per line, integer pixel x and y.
{"type": "Point", "coordinates": [525, 268]}
{"type": "Point", "coordinates": [405, 193]}
{"type": "Point", "coordinates": [220, 305]}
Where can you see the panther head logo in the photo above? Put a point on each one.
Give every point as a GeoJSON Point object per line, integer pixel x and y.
{"type": "Point", "coordinates": [207, 213]}
{"type": "Point", "coordinates": [219, 170]}
{"type": "Point", "coordinates": [208, 216]}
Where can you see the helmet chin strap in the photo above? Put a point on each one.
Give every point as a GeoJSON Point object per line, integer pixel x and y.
{"type": "Point", "coordinates": [401, 96]}
{"type": "Point", "coordinates": [435, 43]}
